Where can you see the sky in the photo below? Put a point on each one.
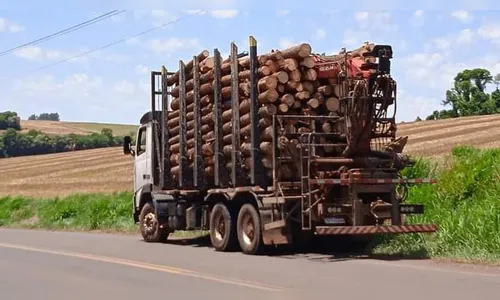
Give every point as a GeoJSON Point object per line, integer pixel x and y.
{"type": "Point", "coordinates": [112, 85]}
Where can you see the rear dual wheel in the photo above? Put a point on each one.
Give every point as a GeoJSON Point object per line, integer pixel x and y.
{"type": "Point", "coordinates": [230, 228]}
{"type": "Point", "coordinates": [249, 230]}
{"type": "Point", "coordinates": [223, 228]}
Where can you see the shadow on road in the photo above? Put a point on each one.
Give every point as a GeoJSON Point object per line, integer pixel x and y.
{"type": "Point", "coordinates": [321, 249]}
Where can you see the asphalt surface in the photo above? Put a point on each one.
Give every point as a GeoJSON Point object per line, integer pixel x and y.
{"type": "Point", "coordinates": [62, 265]}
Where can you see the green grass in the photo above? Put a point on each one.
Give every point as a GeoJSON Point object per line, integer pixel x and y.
{"type": "Point", "coordinates": [87, 212]}
{"type": "Point", "coordinates": [465, 204]}
{"type": "Point", "coordinates": [79, 212]}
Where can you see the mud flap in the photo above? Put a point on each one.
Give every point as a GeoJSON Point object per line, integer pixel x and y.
{"type": "Point", "coordinates": [276, 233]}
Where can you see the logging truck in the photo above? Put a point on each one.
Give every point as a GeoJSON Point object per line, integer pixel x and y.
{"type": "Point", "coordinates": [272, 149]}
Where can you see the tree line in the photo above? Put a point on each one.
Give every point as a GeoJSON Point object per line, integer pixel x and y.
{"type": "Point", "coordinates": [45, 117]}
{"type": "Point", "coordinates": [468, 97]}
{"type": "Point", "coordinates": [14, 143]}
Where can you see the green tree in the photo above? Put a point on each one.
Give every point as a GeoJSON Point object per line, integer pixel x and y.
{"type": "Point", "coordinates": [468, 96]}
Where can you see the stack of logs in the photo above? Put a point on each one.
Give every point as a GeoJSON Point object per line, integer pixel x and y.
{"type": "Point", "coordinates": [287, 84]}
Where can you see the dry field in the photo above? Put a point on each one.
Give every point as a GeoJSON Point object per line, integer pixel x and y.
{"type": "Point", "coordinates": [55, 128]}
{"type": "Point", "coordinates": [108, 170]}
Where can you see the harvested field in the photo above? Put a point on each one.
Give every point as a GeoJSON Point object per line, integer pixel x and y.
{"type": "Point", "coordinates": [88, 171]}
{"type": "Point", "coordinates": [56, 128]}
{"type": "Point", "coordinates": [108, 170]}
{"type": "Point", "coordinates": [435, 138]}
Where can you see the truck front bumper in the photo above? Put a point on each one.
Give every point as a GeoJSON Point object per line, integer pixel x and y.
{"type": "Point", "coordinates": [381, 229]}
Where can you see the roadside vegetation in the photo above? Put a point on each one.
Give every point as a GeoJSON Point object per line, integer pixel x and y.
{"type": "Point", "coordinates": [465, 205]}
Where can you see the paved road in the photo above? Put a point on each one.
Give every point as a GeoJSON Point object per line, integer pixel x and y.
{"type": "Point", "coordinates": [55, 265]}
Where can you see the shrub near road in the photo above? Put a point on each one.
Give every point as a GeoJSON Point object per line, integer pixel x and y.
{"type": "Point", "coordinates": [465, 204]}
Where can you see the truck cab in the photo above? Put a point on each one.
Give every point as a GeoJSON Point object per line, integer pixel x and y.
{"type": "Point", "coordinates": [142, 152]}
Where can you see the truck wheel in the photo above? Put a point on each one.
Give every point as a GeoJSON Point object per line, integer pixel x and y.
{"type": "Point", "coordinates": [223, 228]}
{"type": "Point", "coordinates": [249, 230]}
{"type": "Point", "coordinates": [150, 228]}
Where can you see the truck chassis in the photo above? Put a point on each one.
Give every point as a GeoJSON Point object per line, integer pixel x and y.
{"type": "Point", "coordinates": [360, 199]}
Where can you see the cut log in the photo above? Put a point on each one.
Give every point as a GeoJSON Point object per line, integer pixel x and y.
{"type": "Point", "coordinates": [337, 90]}
{"type": "Point", "coordinates": [297, 51]}
{"type": "Point", "coordinates": [332, 104]}
{"type": "Point", "coordinates": [302, 95]}
{"type": "Point", "coordinates": [288, 99]}
{"type": "Point", "coordinates": [326, 90]}
{"type": "Point", "coordinates": [295, 75]}
{"type": "Point", "coordinates": [189, 66]}
{"type": "Point", "coordinates": [308, 86]}
{"type": "Point", "coordinates": [273, 66]}
{"type": "Point", "coordinates": [268, 96]}
{"type": "Point", "coordinates": [307, 62]}
{"type": "Point", "coordinates": [284, 108]}
{"type": "Point", "coordinates": [290, 64]}
{"type": "Point", "coordinates": [309, 75]}
{"type": "Point", "coordinates": [267, 83]}
{"type": "Point", "coordinates": [282, 76]}
{"type": "Point", "coordinates": [313, 103]}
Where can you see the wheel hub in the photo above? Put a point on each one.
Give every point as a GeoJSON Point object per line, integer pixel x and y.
{"type": "Point", "coordinates": [248, 229]}
{"type": "Point", "coordinates": [220, 228]}
{"type": "Point", "coordinates": [150, 222]}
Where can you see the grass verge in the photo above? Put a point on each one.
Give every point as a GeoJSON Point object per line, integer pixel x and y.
{"type": "Point", "coordinates": [84, 212]}
{"type": "Point", "coordinates": [465, 203]}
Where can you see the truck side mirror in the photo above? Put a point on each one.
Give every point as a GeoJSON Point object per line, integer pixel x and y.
{"type": "Point", "coordinates": [127, 145]}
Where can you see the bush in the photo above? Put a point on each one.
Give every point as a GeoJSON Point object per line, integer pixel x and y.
{"type": "Point", "coordinates": [10, 119]}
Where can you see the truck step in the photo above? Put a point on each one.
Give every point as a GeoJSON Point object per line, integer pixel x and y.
{"type": "Point", "coordinates": [275, 225]}
{"type": "Point", "coordinates": [279, 200]}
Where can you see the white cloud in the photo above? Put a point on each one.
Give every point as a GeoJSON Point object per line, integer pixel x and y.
{"type": "Point", "coordinates": [355, 38]}
{"type": "Point", "coordinates": [446, 43]}
{"type": "Point", "coordinates": [375, 20]}
{"type": "Point", "coordinates": [124, 87]}
{"type": "Point", "coordinates": [218, 14]}
{"type": "Point", "coordinates": [462, 15]}
{"type": "Point", "coordinates": [490, 32]}
{"type": "Point", "coordinates": [285, 43]}
{"type": "Point", "coordinates": [418, 13]}
{"type": "Point", "coordinates": [79, 83]}
{"type": "Point", "coordinates": [465, 36]}
{"type": "Point", "coordinates": [410, 106]}
{"type": "Point", "coordinates": [282, 13]}
{"type": "Point", "coordinates": [80, 97]}
{"type": "Point", "coordinates": [10, 27]}
{"type": "Point", "coordinates": [319, 34]}
{"type": "Point", "coordinates": [35, 53]}
{"type": "Point", "coordinates": [418, 18]}
{"type": "Point", "coordinates": [172, 45]}
{"type": "Point", "coordinates": [224, 14]}
{"type": "Point", "coordinates": [141, 69]}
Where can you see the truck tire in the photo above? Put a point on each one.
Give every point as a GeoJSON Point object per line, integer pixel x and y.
{"type": "Point", "coordinates": [223, 228]}
{"type": "Point", "coordinates": [249, 230]}
{"type": "Point", "coordinates": [149, 226]}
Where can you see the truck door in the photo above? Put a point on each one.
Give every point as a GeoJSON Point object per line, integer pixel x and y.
{"type": "Point", "coordinates": [142, 172]}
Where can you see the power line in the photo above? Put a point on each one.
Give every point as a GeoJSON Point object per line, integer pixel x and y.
{"type": "Point", "coordinates": [112, 44]}
{"type": "Point", "coordinates": [65, 31]}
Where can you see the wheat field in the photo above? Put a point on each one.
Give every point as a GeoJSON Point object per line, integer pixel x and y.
{"type": "Point", "coordinates": [109, 170]}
